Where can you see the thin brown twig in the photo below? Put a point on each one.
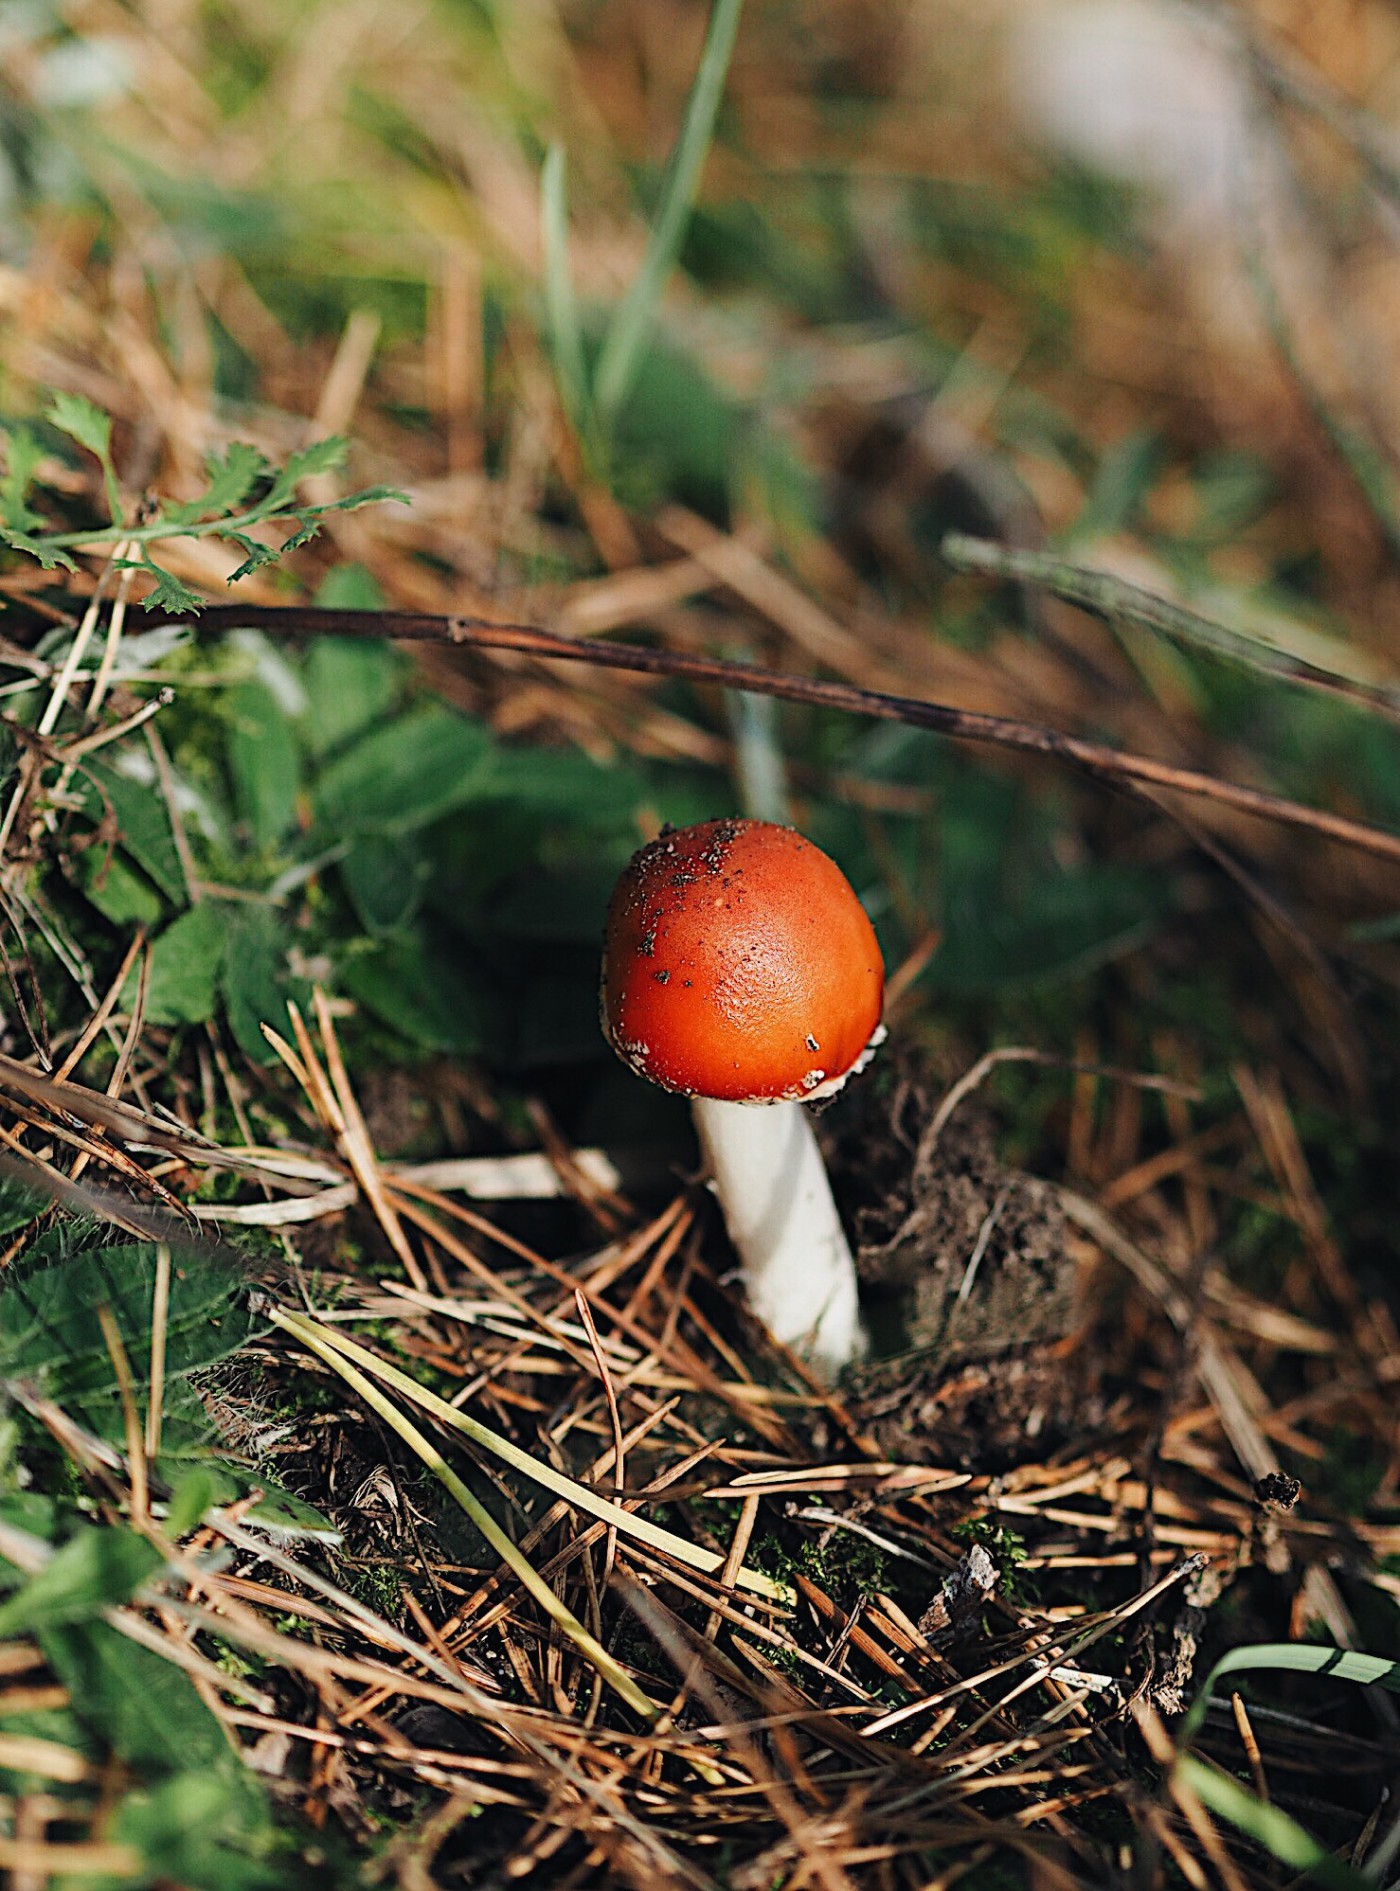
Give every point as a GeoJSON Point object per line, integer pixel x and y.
{"type": "Point", "coordinates": [961, 724]}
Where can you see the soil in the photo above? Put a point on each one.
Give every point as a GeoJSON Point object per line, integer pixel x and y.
{"type": "Point", "coordinates": [980, 1355]}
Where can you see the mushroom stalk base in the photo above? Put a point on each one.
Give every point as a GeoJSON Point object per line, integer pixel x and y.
{"type": "Point", "coordinates": [771, 1182]}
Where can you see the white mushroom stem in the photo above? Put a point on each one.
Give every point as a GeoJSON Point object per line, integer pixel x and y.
{"type": "Point", "coordinates": [771, 1182]}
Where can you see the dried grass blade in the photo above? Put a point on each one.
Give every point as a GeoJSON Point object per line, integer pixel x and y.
{"type": "Point", "coordinates": [357, 1147]}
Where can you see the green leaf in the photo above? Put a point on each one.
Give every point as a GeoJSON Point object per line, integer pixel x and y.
{"type": "Point", "coordinates": [366, 496]}
{"type": "Point", "coordinates": [566, 905]}
{"type": "Point", "coordinates": [204, 1829]}
{"type": "Point", "coordinates": [421, 994]}
{"type": "Point", "coordinates": [169, 593]}
{"type": "Point", "coordinates": [18, 1205]}
{"type": "Point", "coordinates": [192, 1496]}
{"type": "Point", "coordinates": [561, 306]}
{"type": "Point", "coordinates": [264, 762]}
{"type": "Point", "coordinates": [185, 963]}
{"type": "Point", "coordinates": [229, 483]}
{"type": "Point", "coordinates": [563, 781]}
{"type": "Point", "coordinates": [1012, 916]}
{"type": "Point", "coordinates": [385, 879]}
{"type": "Point", "coordinates": [1124, 477]}
{"type": "Point", "coordinates": [1337, 1664]}
{"type": "Point", "coordinates": [258, 555]}
{"type": "Point", "coordinates": [23, 453]}
{"type": "Point", "coordinates": [139, 1707]}
{"type": "Point", "coordinates": [282, 1515]}
{"type": "Point", "coordinates": [303, 535]}
{"type": "Point", "coordinates": [51, 557]}
{"type": "Point", "coordinates": [1055, 926]}
{"type": "Point", "coordinates": [347, 587]}
{"type": "Point", "coordinates": [50, 1332]}
{"type": "Point", "coordinates": [92, 1571]}
{"type": "Point", "coordinates": [118, 890]}
{"type": "Point", "coordinates": [350, 683]}
{"type": "Point", "coordinates": [405, 775]}
{"type": "Point", "coordinates": [626, 340]}
{"type": "Point", "coordinates": [678, 436]}
{"type": "Point", "coordinates": [323, 456]}
{"type": "Point", "coordinates": [76, 416]}
{"type": "Point", "coordinates": [253, 967]}
{"type": "Point", "coordinates": [143, 824]}
{"type": "Point", "coordinates": [1269, 1826]}
{"type": "Point", "coordinates": [231, 479]}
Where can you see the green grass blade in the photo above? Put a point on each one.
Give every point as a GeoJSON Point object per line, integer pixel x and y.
{"type": "Point", "coordinates": [625, 1522]}
{"type": "Point", "coordinates": [625, 341]}
{"type": "Point", "coordinates": [1340, 1664]}
{"type": "Point", "coordinates": [561, 305]}
{"type": "Point", "coordinates": [1281, 1836]}
{"type": "Point", "coordinates": [520, 1566]}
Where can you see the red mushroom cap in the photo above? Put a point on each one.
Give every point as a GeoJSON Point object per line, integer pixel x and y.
{"type": "Point", "coordinates": [739, 964]}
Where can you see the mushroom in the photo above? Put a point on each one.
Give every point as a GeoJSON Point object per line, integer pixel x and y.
{"type": "Point", "coordinates": [740, 969]}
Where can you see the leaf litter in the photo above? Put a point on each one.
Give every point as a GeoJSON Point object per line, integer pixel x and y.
{"type": "Point", "coordinates": [700, 1621]}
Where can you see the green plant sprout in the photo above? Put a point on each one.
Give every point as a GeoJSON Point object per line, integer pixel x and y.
{"type": "Point", "coordinates": [1287, 1841]}
{"type": "Point", "coordinates": [244, 491]}
{"type": "Point", "coordinates": [595, 399]}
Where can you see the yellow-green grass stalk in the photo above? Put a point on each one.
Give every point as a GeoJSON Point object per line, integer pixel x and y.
{"type": "Point", "coordinates": [592, 1650]}
{"type": "Point", "coordinates": [625, 1522]}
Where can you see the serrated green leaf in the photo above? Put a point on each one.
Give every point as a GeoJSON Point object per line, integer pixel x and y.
{"type": "Point", "coordinates": [51, 557]}
{"type": "Point", "coordinates": [94, 1570]}
{"type": "Point", "coordinates": [81, 420]}
{"type": "Point", "coordinates": [169, 593]}
{"type": "Point", "coordinates": [405, 775]}
{"type": "Point", "coordinates": [50, 1332]}
{"type": "Point", "coordinates": [22, 456]}
{"type": "Point", "coordinates": [264, 761]}
{"type": "Point", "coordinates": [77, 416]}
{"type": "Point", "coordinates": [185, 963]}
{"type": "Point", "coordinates": [258, 555]}
{"type": "Point", "coordinates": [323, 456]}
{"type": "Point", "coordinates": [303, 535]}
{"type": "Point", "coordinates": [231, 478]}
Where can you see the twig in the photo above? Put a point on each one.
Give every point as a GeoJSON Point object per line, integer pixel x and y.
{"type": "Point", "coordinates": [961, 724]}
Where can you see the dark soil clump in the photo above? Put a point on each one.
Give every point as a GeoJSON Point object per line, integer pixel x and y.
{"type": "Point", "coordinates": [970, 1288]}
